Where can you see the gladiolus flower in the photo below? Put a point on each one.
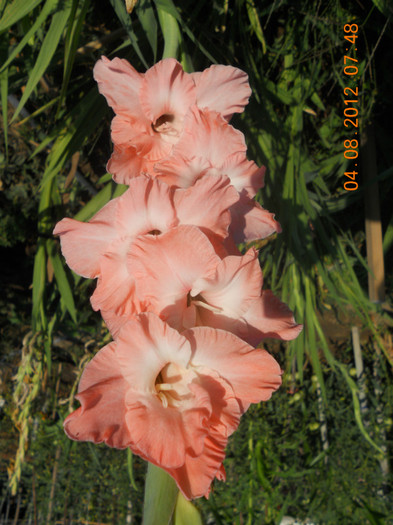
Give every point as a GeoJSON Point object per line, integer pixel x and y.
{"type": "Point", "coordinates": [173, 398]}
{"type": "Point", "coordinates": [182, 279]}
{"type": "Point", "coordinates": [150, 107]}
{"type": "Point", "coordinates": [100, 247]}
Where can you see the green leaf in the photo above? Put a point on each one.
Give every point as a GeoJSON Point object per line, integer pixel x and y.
{"type": "Point", "coordinates": [171, 32]}
{"type": "Point", "coordinates": [72, 40]}
{"type": "Point", "coordinates": [186, 513]}
{"type": "Point", "coordinates": [124, 17]}
{"type": "Point", "coordinates": [384, 6]}
{"type": "Point", "coordinates": [255, 23]}
{"type": "Point", "coordinates": [48, 48]}
{"type": "Point", "coordinates": [95, 204]}
{"type": "Point", "coordinates": [61, 279]}
{"type": "Point", "coordinates": [79, 125]}
{"type": "Point", "coordinates": [160, 497]}
{"type": "Point", "coordinates": [4, 98]}
{"type": "Point", "coordinates": [130, 469]}
{"type": "Point", "coordinates": [39, 281]}
{"type": "Point", "coordinates": [15, 11]}
{"type": "Point", "coordinates": [145, 13]}
{"type": "Point", "coordinates": [388, 237]}
{"type": "Point", "coordinates": [38, 22]}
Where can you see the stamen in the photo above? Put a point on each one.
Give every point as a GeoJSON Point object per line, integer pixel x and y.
{"type": "Point", "coordinates": [163, 399]}
{"type": "Point", "coordinates": [214, 309]}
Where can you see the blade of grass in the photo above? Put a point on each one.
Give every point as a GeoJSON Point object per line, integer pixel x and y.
{"type": "Point", "coordinates": [61, 279]}
{"type": "Point", "coordinates": [4, 96]}
{"type": "Point", "coordinates": [146, 16]}
{"type": "Point", "coordinates": [38, 23]}
{"type": "Point", "coordinates": [16, 11]}
{"type": "Point", "coordinates": [71, 44]}
{"type": "Point", "coordinates": [171, 33]}
{"type": "Point", "coordinates": [48, 48]}
{"type": "Point", "coordinates": [124, 17]}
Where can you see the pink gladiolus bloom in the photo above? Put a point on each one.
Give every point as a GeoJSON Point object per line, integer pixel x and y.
{"type": "Point", "coordinates": [100, 247]}
{"type": "Point", "coordinates": [209, 146]}
{"type": "Point", "coordinates": [150, 107]}
{"type": "Point", "coordinates": [173, 398]}
{"type": "Point", "coordinates": [182, 279]}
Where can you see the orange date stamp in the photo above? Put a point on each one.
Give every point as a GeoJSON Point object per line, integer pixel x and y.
{"type": "Point", "coordinates": [351, 102]}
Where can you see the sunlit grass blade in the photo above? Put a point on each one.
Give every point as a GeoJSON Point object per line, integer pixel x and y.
{"type": "Point", "coordinates": [185, 512]}
{"type": "Point", "coordinates": [4, 96]}
{"type": "Point", "coordinates": [169, 7]}
{"type": "Point", "coordinates": [160, 497]}
{"type": "Point", "coordinates": [39, 281]}
{"type": "Point", "coordinates": [72, 39]}
{"type": "Point", "coordinates": [95, 204]}
{"type": "Point", "coordinates": [255, 23]}
{"type": "Point", "coordinates": [15, 11]}
{"type": "Point", "coordinates": [48, 48]}
{"type": "Point", "coordinates": [61, 279]}
{"type": "Point", "coordinates": [38, 23]}
{"type": "Point", "coordinates": [147, 18]}
{"type": "Point", "coordinates": [79, 124]}
{"type": "Point", "coordinates": [124, 17]}
{"type": "Point", "coordinates": [171, 32]}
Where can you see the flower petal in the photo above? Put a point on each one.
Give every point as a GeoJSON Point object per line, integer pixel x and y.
{"type": "Point", "coordinates": [166, 267]}
{"type": "Point", "coordinates": [244, 174]}
{"type": "Point", "coordinates": [216, 194]}
{"type": "Point", "coordinates": [101, 392]}
{"type": "Point", "coordinates": [125, 164]}
{"type": "Point", "coordinates": [268, 317]}
{"type": "Point", "coordinates": [251, 222]}
{"type": "Point", "coordinates": [252, 373]}
{"type": "Point", "coordinates": [207, 135]}
{"type": "Point", "coordinates": [166, 89]}
{"type": "Point", "coordinates": [120, 83]}
{"type": "Point", "coordinates": [84, 243]}
{"type": "Point", "coordinates": [222, 88]}
{"type": "Point", "coordinates": [144, 347]}
{"type": "Point", "coordinates": [237, 282]}
{"type": "Point", "coordinates": [196, 475]}
{"type": "Point", "coordinates": [116, 286]}
{"type": "Point", "coordinates": [146, 206]}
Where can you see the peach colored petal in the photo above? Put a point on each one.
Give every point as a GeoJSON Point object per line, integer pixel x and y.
{"type": "Point", "coordinates": [222, 88]}
{"type": "Point", "coordinates": [116, 286]}
{"type": "Point", "coordinates": [236, 283]}
{"type": "Point", "coordinates": [83, 244]}
{"type": "Point", "coordinates": [182, 172]}
{"type": "Point", "coordinates": [147, 344]}
{"type": "Point", "coordinates": [194, 478]}
{"type": "Point", "coordinates": [196, 475]}
{"type": "Point", "coordinates": [268, 317]}
{"type": "Point", "coordinates": [166, 90]}
{"type": "Point", "coordinates": [115, 321]}
{"type": "Point", "coordinates": [187, 429]}
{"type": "Point", "coordinates": [146, 206]}
{"type": "Point", "coordinates": [207, 135]}
{"type": "Point", "coordinates": [251, 222]}
{"type": "Point", "coordinates": [209, 145]}
{"type": "Point", "coordinates": [125, 164]}
{"type": "Point", "coordinates": [252, 373]}
{"type": "Point", "coordinates": [101, 392]}
{"type": "Point", "coordinates": [124, 130]}
{"type": "Point", "coordinates": [166, 266]}
{"type": "Point", "coordinates": [120, 83]}
{"type": "Point", "coordinates": [216, 194]}
{"type": "Point", "coordinates": [244, 174]}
